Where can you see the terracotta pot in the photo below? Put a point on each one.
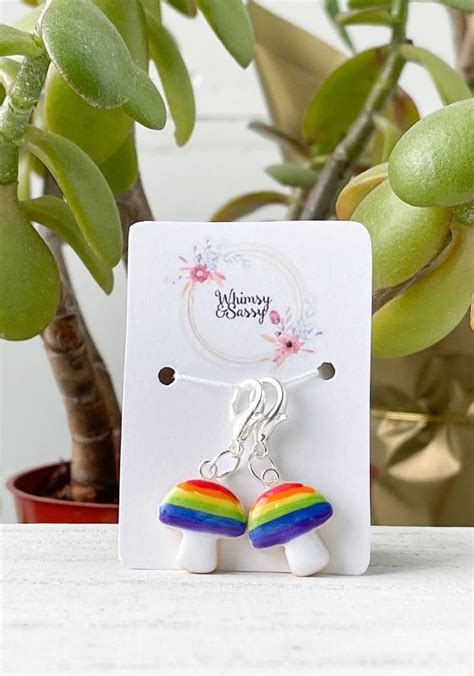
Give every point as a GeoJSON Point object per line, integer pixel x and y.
{"type": "Point", "coordinates": [32, 508]}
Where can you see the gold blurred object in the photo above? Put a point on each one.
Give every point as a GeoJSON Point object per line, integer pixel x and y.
{"type": "Point", "coordinates": [408, 416]}
{"type": "Point", "coordinates": [422, 444]}
{"type": "Point", "coordinates": [291, 65]}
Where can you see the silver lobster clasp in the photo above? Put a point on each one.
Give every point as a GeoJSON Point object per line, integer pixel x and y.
{"type": "Point", "coordinates": [260, 463]}
{"type": "Point", "coordinates": [276, 414]}
{"type": "Point", "coordinates": [244, 418]}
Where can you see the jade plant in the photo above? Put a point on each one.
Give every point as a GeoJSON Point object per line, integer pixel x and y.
{"type": "Point", "coordinates": [364, 154]}
{"type": "Point", "coordinates": [71, 95]}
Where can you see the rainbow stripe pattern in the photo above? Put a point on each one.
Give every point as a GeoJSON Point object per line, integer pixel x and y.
{"type": "Point", "coordinates": [203, 506]}
{"type": "Point", "coordinates": [285, 512]}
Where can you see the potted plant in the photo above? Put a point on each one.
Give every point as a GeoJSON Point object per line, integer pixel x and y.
{"type": "Point", "coordinates": [354, 148]}
{"type": "Point", "coordinates": [69, 106]}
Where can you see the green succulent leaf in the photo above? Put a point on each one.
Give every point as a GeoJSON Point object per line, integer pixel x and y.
{"type": "Point", "coordinates": [175, 80]}
{"type": "Point", "coordinates": [363, 4]}
{"type": "Point", "coordinates": [8, 73]}
{"type": "Point", "coordinates": [432, 164]}
{"type": "Point", "coordinates": [402, 110]}
{"type": "Point", "coordinates": [462, 5]}
{"type": "Point", "coordinates": [28, 21]}
{"type": "Point", "coordinates": [292, 175]}
{"type": "Point", "coordinates": [450, 85]}
{"type": "Point", "coordinates": [333, 11]}
{"type": "Point", "coordinates": [146, 105]}
{"type": "Point", "coordinates": [336, 104]}
{"type": "Point", "coordinates": [128, 18]}
{"type": "Point", "coordinates": [230, 22]}
{"type": "Point", "coordinates": [399, 115]}
{"type": "Point", "coordinates": [29, 279]}
{"type": "Point", "coordinates": [432, 306]}
{"type": "Point", "coordinates": [99, 132]}
{"type": "Point", "coordinates": [25, 169]}
{"type": "Point", "coordinates": [371, 16]}
{"type": "Point", "coordinates": [121, 169]}
{"type": "Point", "coordinates": [89, 52]}
{"type": "Point", "coordinates": [246, 204]}
{"type": "Point", "coordinates": [16, 42]}
{"type": "Point", "coordinates": [152, 9]}
{"type": "Point", "coordinates": [389, 136]}
{"type": "Point", "coordinates": [285, 141]}
{"type": "Point", "coordinates": [85, 189]}
{"type": "Point", "coordinates": [55, 214]}
{"type": "Point", "coordinates": [358, 188]}
{"type": "Point", "coordinates": [404, 238]}
{"type": "Point", "coordinates": [186, 7]}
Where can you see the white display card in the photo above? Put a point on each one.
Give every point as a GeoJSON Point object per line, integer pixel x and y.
{"type": "Point", "coordinates": [230, 301]}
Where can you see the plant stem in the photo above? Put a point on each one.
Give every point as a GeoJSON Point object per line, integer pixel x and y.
{"type": "Point", "coordinates": [91, 404]}
{"type": "Point", "coordinates": [93, 471]}
{"type": "Point", "coordinates": [333, 176]}
{"type": "Point", "coordinates": [108, 391]}
{"type": "Point", "coordinates": [133, 207]}
{"type": "Point", "coordinates": [18, 106]}
{"type": "Point", "coordinates": [16, 111]}
{"type": "Point", "coordinates": [463, 25]}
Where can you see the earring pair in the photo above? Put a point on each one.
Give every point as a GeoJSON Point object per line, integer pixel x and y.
{"type": "Point", "coordinates": [286, 514]}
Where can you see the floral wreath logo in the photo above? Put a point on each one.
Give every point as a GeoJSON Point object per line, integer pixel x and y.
{"type": "Point", "coordinates": [289, 336]}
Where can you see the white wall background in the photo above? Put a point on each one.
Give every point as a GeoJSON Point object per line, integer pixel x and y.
{"type": "Point", "coordinates": [222, 159]}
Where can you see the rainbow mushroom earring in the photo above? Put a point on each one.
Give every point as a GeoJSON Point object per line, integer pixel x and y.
{"type": "Point", "coordinates": [204, 510]}
{"type": "Point", "coordinates": [287, 514]}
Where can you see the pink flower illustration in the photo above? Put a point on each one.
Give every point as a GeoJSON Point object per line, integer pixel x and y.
{"type": "Point", "coordinates": [289, 337]}
{"type": "Point", "coordinates": [274, 317]}
{"type": "Point", "coordinates": [201, 268]}
{"type": "Point", "coordinates": [199, 273]}
{"type": "Point", "coordinates": [289, 344]}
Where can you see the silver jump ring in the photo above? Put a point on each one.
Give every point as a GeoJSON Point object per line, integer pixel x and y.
{"type": "Point", "coordinates": [263, 476]}
{"type": "Point", "coordinates": [276, 476]}
{"type": "Point", "coordinates": [209, 473]}
{"type": "Point", "coordinates": [213, 472]}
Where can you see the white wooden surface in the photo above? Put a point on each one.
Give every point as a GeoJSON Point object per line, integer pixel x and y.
{"type": "Point", "coordinates": [70, 607]}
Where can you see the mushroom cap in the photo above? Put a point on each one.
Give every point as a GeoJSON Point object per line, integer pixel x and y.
{"type": "Point", "coordinates": [285, 512]}
{"type": "Point", "coordinates": [203, 506]}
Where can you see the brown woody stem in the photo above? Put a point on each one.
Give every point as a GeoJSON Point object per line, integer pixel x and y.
{"type": "Point", "coordinates": [334, 174]}
{"type": "Point", "coordinates": [463, 25]}
{"type": "Point", "coordinates": [93, 471]}
{"type": "Point", "coordinates": [108, 390]}
{"type": "Point", "coordinates": [133, 207]}
{"type": "Point", "coordinates": [89, 397]}
{"type": "Point", "coordinates": [90, 400]}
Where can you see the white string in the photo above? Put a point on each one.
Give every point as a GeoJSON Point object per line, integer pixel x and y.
{"type": "Point", "coordinates": [183, 377]}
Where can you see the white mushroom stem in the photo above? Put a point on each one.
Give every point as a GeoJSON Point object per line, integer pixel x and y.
{"type": "Point", "coordinates": [197, 552]}
{"type": "Point", "coordinates": [306, 554]}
